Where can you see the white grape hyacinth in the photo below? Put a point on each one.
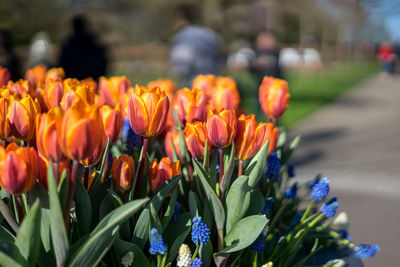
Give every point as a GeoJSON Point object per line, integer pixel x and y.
{"type": "Point", "coordinates": [184, 256]}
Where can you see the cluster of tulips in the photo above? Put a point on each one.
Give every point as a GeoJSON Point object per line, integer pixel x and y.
{"type": "Point", "coordinates": [103, 172]}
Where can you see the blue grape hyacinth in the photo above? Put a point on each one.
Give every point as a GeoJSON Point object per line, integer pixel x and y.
{"type": "Point", "coordinates": [290, 170]}
{"type": "Point", "coordinates": [364, 251]}
{"type": "Point", "coordinates": [273, 166]}
{"type": "Point", "coordinates": [176, 213]}
{"type": "Point", "coordinates": [131, 140]}
{"type": "Point", "coordinates": [258, 244]}
{"type": "Point", "coordinates": [200, 231]}
{"type": "Point", "coordinates": [267, 205]}
{"type": "Point", "coordinates": [291, 192]}
{"type": "Point", "coordinates": [329, 208]}
{"type": "Point", "coordinates": [197, 262]}
{"type": "Point", "coordinates": [320, 190]}
{"type": "Point", "coordinates": [157, 245]}
{"type": "Point", "coordinates": [313, 182]}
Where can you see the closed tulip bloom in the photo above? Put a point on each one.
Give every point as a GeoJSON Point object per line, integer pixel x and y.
{"type": "Point", "coordinates": [112, 122]}
{"type": "Point", "coordinates": [123, 172]}
{"type": "Point", "coordinates": [221, 127]}
{"type": "Point", "coordinates": [47, 140]}
{"type": "Point", "coordinates": [36, 74]}
{"type": "Point", "coordinates": [4, 76]}
{"type": "Point", "coordinates": [225, 94]}
{"type": "Point", "coordinates": [55, 73]}
{"type": "Point", "coordinates": [80, 131]}
{"type": "Point", "coordinates": [168, 86]}
{"type": "Point", "coordinates": [148, 111]}
{"type": "Point", "coordinates": [18, 168]}
{"type": "Point", "coordinates": [97, 153]}
{"type": "Point", "coordinates": [21, 88]}
{"type": "Point", "coordinates": [274, 97]}
{"type": "Point", "coordinates": [251, 136]}
{"type": "Point", "coordinates": [4, 125]}
{"type": "Point", "coordinates": [112, 89]}
{"type": "Point", "coordinates": [172, 138]}
{"type": "Point", "coordinates": [190, 105]}
{"type": "Point", "coordinates": [53, 92]}
{"type": "Point", "coordinates": [22, 117]}
{"type": "Point", "coordinates": [163, 171]}
{"type": "Point", "coordinates": [196, 138]}
{"type": "Point", "coordinates": [204, 83]}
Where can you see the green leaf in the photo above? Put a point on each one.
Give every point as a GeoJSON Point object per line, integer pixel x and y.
{"type": "Point", "coordinates": [141, 232]}
{"type": "Point", "coordinates": [10, 255]}
{"type": "Point", "coordinates": [289, 151]}
{"type": "Point", "coordinates": [45, 229]}
{"type": "Point", "coordinates": [176, 233]}
{"type": "Point", "coordinates": [201, 172]}
{"type": "Point", "coordinates": [102, 237]}
{"type": "Point", "coordinates": [6, 235]}
{"type": "Point", "coordinates": [228, 170]}
{"type": "Point", "coordinates": [63, 190]}
{"type": "Point", "coordinates": [213, 169]}
{"type": "Point", "coordinates": [237, 201]}
{"type": "Point", "coordinates": [206, 253]}
{"type": "Point", "coordinates": [100, 173]}
{"type": "Point", "coordinates": [38, 192]}
{"type": "Point", "coordinates": [58, 232]}
{"type": "Point", "coordinates": [28, 237]}
{"type": "Point", "coordinates": [193, 205]}
{"type": "Point", "coordinates": [155, 221]}
{"type": "Point", "coordinates": [244, 233]}
{"type": "Point", "coordinates": [170, 209]}
{"type": "Point", "coordinates": [257, 165]}
{"type": "Point", "coordinates": [97, 198]}
{"type": "Point", "coordinates": [122, 248]}
{"type": "Point", "coordinates": [257, 203]}
{"type": "Point", "coordinates": [83, 208]}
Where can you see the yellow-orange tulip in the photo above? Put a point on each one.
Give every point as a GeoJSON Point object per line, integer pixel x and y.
{"type": "Point", "coordinates": [55, 73]}
{"type": "Point", "coordinates": [80, 131]}
{"type": "Point", "coordinates": [225, 94]}
{"type": "Point", "coordinates": [53, 92]}
{"type": "Point", "coordinates": [274, 97]}
{"type": "Point", "coordinates": [205, 83]}
{"type": "Point", "coordinates": [74, 91]}
{"type": "Point", "coordinates": [111, 90]}
{"type": "Point", "coordinates": [172, 136]}
{"type": "Point", "coordinates": [163, 171]}
{"type": "Point", "coordinates": [195, 138]}
{"type": "Point", "coordinates": [22, 117]}
{"type": "Point", "coordinates": [123, 172]}
{"type": "Point", "coordinates": [221, 127]}
{"type": "Point", "coordinates": [250, 136]}
{"type": "Point", "coordinates": [21, 88]}
{"type": "Point", "coordinates": [190, 105]}
{"type": "Point", "coordinates": [97, 153]}
{"type": "Point", "coordinates": [4, 76]}
{"type": "Point", "coordinates": [36, 74]}
{"type": "Point", "coordinates": [18, 168]}
{"type": "Point", "coordinates": [4, 125]}
{"type": "Point", "coordinates": [168, 86]}
{"type": "Point", "coordinates": [112, 122]}
{"type": "Point", "coordinates": [47, 140]}
{"type": "Point", "coordinates": [148, 111]}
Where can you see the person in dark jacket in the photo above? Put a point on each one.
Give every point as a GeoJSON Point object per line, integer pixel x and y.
{"type": "Point", "coordinates": [8, 58]}
{"type": "Point", "coordinates": [82, 56]}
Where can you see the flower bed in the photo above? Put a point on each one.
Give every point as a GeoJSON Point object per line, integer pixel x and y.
{"type": "Point", "coordinates": [102, 172]}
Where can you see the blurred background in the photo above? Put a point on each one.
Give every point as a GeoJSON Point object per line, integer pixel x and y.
{"type": "Point", "coordinates": [322, 47]}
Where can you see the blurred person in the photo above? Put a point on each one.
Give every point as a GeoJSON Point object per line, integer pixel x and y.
{"type": "Point", "coordinates": [8, 58]}
{"type": "Point", "coordinates": [82, 56]}
{"type": "Point", "coordinates": [194, 49]}
{"type": "Point", "coordinates": [387, 57]}
{"type": "Point", "coordinates": [41, 50]}
{"type": "Point", "coordinates": [267, 50]}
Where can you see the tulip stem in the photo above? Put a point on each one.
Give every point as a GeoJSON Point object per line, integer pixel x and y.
{"type": "Point", "coordinates": [56, 172]}
{"type": "Point", "coordinates": [221, 164]}
{"type": "Point", "coordinates": [141, 167]}
{"type": "Point", "coordinates": [86, 178]}
{"type": "Point", "coordinates": [240, 168]}
{"type": "Point", "coordinates": [71, 192]}
{"type": "Point", "coordinates": [16, 210]}
{"type": "Point", "coordinates": [7, 215]}
{"type": "Point", "coordinates": [20, 208]}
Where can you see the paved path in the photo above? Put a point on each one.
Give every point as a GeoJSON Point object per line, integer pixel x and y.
{"type": "Point", "coordinates": [355, 141]}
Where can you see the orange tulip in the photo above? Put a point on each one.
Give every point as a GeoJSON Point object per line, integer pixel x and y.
{"type": "Point", "coordinates": [97, 153]}
{"type": "Point", "coordinates": [47, 140]}
{"type": "Point", "coordinates": [74, 91]}
{"type": "Point", "coordinates": [190, 105]}
{"type": "Point", "coordinates": [21, 88]}
{"type": "Point", "coordinates": [172, 136]}
{"type": "Point", "coordinates": [36, 74]}
{"type": "Point", "coordinates": [274, 97]}
{"type": "Point", "coordinates": [18, 168]}
{"type": "Point", "coordinates": [113, 89]}
{"type": "Point", "coordinates": [80, 131]}
{"type": "Point", "coordinates": [251, 136]}
{"type": "Point", "coordinates": [225, 94]}
{"type": "Point", "coordinates": [221, 127]}
{"type": "Point", "coordinates": [53, 92]}
{"type": "Point", "coordinates": [163, 171]}
{"type": "Point", "coordinates": [22, 117]}
{"type": "Point", "coordinates": [204, 83]}
{"type": "Point", "coordinates": [112, 122]}
{"type": "Point", "coordinates": [196, 138]}
{"type": "Point", "coordinates": [148, 110]}
{"type": "Point", "coordinates": [4, 125]}
{"type": "Point", "coordinates": [55, 73]}
{"type": "Point", "coordinates": [123, 172]}
{"type": "Point", "coordinates": [168, 86]}
{"type": "Point", "coordinates": [4, 76]}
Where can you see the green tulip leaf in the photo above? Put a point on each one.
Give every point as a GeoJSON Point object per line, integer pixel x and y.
{"type": "Point", "coordinates": [256, 168]}
{"type": "Point", "coordinates": [83, 208]}
{"type": "Point", "coordinates": [10, 255]}
{"type": "Point", "coordinates": [122, 248]}
{"type": "Point", "coordinates": [176, 233]}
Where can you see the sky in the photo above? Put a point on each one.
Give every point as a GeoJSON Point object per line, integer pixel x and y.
{"type": "Point", "coordinates": [393, 26]}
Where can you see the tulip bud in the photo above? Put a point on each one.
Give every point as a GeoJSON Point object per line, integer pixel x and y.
{"type": "Point", "coordinates": [4, 76]}
{"type": "Point", "coordinates": [168, 86]}
{"type": "Point", "coordinates": [75, 91]}
{"type": "Point", "coordinates": [113, 89]}
{"type": "Point", "coordinates": [221, 127]}
{"type": "Point", "coordinates": [47, 140]}
{"type": "Point", "coordinates": [18, 168]}
{"type": "Point", "coordinates": [196, 139]}
{"type": "Point", "coordinates": [4, 125]}
{"type": "Point", "coordinates": [36, 74]}
{"type": "Point", "coordinates": [80, 131]}
{"type": "Point", "coordinates": [123, 172]}
{"type": "Point", "coordinates": [204, 83]}
{"type": "Point", "coordinates": [22, 117]}
{"type": "Point", "coordinates": [172, 138]}
{"type": "Point", "coordinates": [148, 111]}
{"type": "Point", "coordinates": [163, 171]}
{"type": "Point", "coordinates": [250, 137]}
{"type": "Point", "coordinates": [190, 105]}
{"type": "Point", "coordinates": [97, 153]}
{"type": "Point", "coordinates": [225, 94]}
{"type": "Point", "coordinates": [55, 73]}
{"type": "Point", "coordinates": [21, 88]}
{"type": "Point", "coordinates": [112, 122]}
{"type": "Point", "coordinates": [274, 97]}
{"type": "Point", "coordinates": [53, 92]}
